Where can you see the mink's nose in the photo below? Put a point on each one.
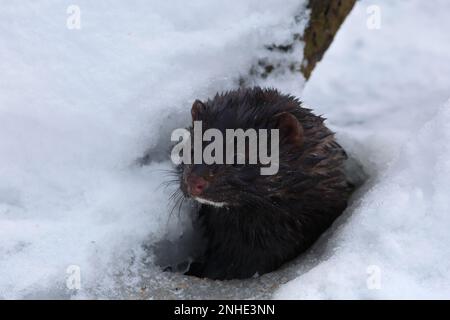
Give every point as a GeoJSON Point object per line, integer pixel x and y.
{"type": "Point", "coordinates": [196, 185]}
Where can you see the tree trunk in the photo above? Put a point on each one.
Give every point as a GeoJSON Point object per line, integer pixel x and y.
{"type": "Point", "coordinates": [324, 22]}
{"type": "Point", "coordinates": [325, 18]}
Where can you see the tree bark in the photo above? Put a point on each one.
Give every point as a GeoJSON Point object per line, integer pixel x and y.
{"type": "Point", "coordinates": [325, 19]}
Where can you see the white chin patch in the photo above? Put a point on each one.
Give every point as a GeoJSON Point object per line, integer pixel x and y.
{"type": "Point", "coordinates": [211, 203]}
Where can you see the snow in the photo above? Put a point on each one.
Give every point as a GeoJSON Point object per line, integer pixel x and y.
{"type": "Point", "coordinates": [78, 107]}
{"type": "Point", "coordinates": [385, 91]}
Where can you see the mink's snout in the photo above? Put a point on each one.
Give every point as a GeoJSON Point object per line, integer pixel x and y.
{"type": "Point", "coordinates": [196, 185]}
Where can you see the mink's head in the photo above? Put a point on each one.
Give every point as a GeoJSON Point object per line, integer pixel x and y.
{"type": "Point", "coordinates": [237, 184]}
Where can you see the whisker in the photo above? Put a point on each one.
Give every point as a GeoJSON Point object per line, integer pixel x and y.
{"type": "Point", "coordinates": [167, 183]}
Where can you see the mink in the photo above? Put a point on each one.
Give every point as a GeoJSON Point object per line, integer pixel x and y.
{"type": "Point", "coordinates": [252, 224]}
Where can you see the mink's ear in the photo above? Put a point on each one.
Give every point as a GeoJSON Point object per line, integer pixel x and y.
{"type": "Point", "coordinates": [197, 108]}
{"type": "Point", "coordinates": [291, 131]}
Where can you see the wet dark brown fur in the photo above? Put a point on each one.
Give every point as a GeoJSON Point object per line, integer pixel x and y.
{"type": "Point", "coordinates": [267, 220]}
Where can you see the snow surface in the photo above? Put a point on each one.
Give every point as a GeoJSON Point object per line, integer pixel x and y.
{"type": "Point", "coordinates": [78, 107]}
{"type": "Point", "coordinates": [385, 92]}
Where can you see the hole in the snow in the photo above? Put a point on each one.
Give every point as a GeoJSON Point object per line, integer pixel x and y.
{"type": "Point", "coordinates": [355, 172]}
{"type": "Point", "coordinates": [178, 249]}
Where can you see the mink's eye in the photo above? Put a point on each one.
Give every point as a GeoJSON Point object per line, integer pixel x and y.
{"type": "Point", "coordinates": [213, 170]}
